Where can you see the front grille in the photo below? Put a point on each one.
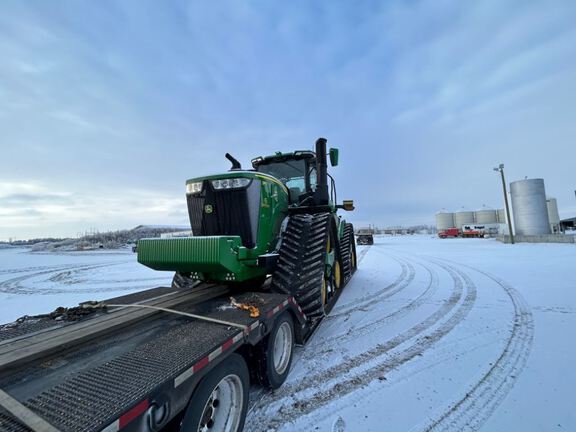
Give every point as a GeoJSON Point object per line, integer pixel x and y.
{"type": "Point", "coordinates": [233, 212]}
{"type": "Point", "coordinates": [195, 211]}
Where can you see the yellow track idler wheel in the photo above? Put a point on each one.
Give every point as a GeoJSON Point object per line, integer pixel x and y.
{"type": "Point", "coordinates": [337, 275]}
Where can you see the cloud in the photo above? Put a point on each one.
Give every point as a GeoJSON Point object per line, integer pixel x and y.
{"type": "Point", "coordinates": [483, 56]}
{"type": "Point", "coordinates": [48, 211]}
{"type": "Point", "coordinates": [113, 105]}
{"type": "Point", "coordinates": [74, 119]}
{"type": "Point", "coordinates": [27, 199]}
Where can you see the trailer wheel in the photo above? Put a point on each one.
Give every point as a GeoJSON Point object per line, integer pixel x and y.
{"type": "Point", "coordinates": [220, 401]}
{"type": "Point", "coordinates": [277, 352]}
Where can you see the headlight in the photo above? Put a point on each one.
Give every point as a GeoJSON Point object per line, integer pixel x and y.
{"type": "Point", "coordinates": [192, 188]}
{"type": "Point", "coordinates": [230, 183]}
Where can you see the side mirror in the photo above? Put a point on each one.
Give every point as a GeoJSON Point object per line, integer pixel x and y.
{"type": "Point", "coordinates": [333, 156]}
{"type": "Point", "coordinates": [348, 205]}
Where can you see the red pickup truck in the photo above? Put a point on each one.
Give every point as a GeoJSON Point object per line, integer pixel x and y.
{"type": "Point", "coordinates": [450, 232]}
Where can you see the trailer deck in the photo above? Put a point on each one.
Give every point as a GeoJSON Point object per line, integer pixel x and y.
{"type": "Point", "coordinates": [108, 380]}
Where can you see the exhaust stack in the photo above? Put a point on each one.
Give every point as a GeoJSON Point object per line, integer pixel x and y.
{"type": "Point", "coordinates": [321, 196]}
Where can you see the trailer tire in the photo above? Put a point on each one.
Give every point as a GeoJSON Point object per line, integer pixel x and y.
{"type": "Point", "coordinates": [220, 401]}
{"type": "Point", "coordinates": [277, 352]}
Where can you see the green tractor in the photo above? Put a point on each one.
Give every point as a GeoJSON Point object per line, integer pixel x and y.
{"type": "Point", "coordinates": [278, 219]}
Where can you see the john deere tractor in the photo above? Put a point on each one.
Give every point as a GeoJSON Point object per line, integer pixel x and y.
{"type": "Point", "coordinates": [278, 218]}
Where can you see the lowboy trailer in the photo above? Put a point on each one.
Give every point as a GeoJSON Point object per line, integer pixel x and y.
{"type": "Point", "coordinates": [150, 372]}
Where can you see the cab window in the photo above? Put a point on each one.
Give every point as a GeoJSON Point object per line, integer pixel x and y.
{"type": "Point", "coordinates": [292, 173]}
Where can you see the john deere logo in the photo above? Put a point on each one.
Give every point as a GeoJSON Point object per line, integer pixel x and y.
{"type": "Point", "coordinates": [208, 209]}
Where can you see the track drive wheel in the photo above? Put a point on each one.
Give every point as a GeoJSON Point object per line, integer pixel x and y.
{"type": "Point", "coordinates": [220, 401]}
{"type": "Point", "coordinates": [336, 276]}
{"type": "Point", "coordinates": [334, 279]}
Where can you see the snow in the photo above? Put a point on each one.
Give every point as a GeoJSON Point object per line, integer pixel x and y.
{"type": "Point", "coordinates": [35, 283]}
{"type": "Point", "coordinates": [430, 334]}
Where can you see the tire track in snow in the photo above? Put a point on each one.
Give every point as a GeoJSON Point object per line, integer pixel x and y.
{"type": "Point", "coordinates": [397, 359]}
{"type": "Point", "coordinates": [404, 279]}
{"type": "Point", "coordinates": [355, 332]}
{"type": "Point", "coordinates": [39, 268]}
{"type": "Point", "coordinates": [478, 404]}
{"type": "Point", "coordinates": [317, 379]}
{"type": "Point", "coordinates": [363, 253]}
{"type": "Point", "coordinates": [349, 380]}
{"type": "Point", "coordinates": [15, 286]}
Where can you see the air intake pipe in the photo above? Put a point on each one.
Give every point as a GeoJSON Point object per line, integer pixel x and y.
{"type": "Point", "coordinates": [321, 196]}
{"type": "Point", "coordinates": [235, 164]}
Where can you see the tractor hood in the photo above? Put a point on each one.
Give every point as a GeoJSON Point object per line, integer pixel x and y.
{"type": "Point", "coordinates": [235, 217]}
{"type": "Point", "coordinates": [235, 203]}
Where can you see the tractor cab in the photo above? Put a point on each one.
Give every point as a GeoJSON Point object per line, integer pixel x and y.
{"type": "Point", "coordinates": [297, 171]}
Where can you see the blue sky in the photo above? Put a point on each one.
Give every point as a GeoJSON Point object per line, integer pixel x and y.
{"type": "Point", "coordinates": [108, 106]}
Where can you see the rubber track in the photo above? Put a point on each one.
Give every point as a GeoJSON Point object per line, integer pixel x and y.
{"type": "Point", "coordinates": [300, 268]}
{"type": "Point", "coordinates": [345, 244]}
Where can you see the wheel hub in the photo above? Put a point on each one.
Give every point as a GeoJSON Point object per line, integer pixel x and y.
{"type": "Point", "coordinates": [222, 411]}
{"type": "Point", "coordinates": [282, 348]}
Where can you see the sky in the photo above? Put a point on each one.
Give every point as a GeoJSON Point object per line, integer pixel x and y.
{"type": "Point", "coordinates": [107, 107]}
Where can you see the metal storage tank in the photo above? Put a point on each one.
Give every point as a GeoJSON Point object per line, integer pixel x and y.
{"type": "Point", "coordinates": [529, 207]}
{"type": "Point", "coordinates": [502, 215]}
{"type": "Point", "coordinates": [486, 215]}
{"type": "Point", "coordinates": [553, 215]}
{"type": "Point", "coordinates": [463, 217]}
{"type": "Point", "coordinates": [444, 220]}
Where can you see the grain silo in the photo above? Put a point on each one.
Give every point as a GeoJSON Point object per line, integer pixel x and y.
{"type": "Point", "coordinates": [529, 207]}
{"type": "Point", "coordinates": [553, 216]}
{"type": "Point", "coordinates": [502, 216]}
{"type": "Point", "coordinates": [485, 215]}
{"type": "Point", "coordinates": [444, 220]}
{"type": "Point", "coordinates": [463, 217]}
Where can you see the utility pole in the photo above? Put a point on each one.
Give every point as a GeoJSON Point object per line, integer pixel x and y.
{"type": "Point", "coordinates": [501, 169]}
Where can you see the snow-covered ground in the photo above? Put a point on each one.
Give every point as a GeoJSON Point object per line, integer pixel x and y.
{"type": "Point", "coordinates": [430, 334]}
{"type": "Point", "coordinates": [35, 283]}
